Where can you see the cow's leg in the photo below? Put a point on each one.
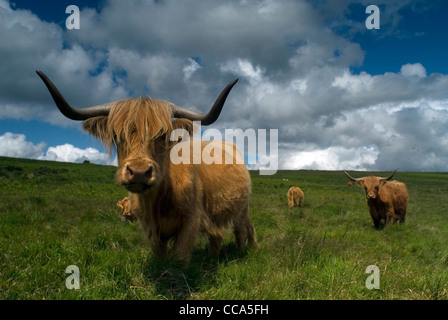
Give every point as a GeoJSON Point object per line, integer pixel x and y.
{"type": "Point", "coordinates": [215, 243]}
{"type": "Point", "coordinates": [376, 217]}
{"type": "Point", "coordinates": [158, 247]}
{"type": "Point", "coordinates": [376, 223]}
{"type": "Point", "coordinates": [401, 216]}
{"type": "Point", "coordinates": [244, 230]}
{"type": "Point", "coordinates": [240, 231]}
{"type": "Point", "coordinates": [390, 219]}
{"type": "Point", "coordinates": [149, 228]}
{"type": "Point", "coordinates": [187, 235]}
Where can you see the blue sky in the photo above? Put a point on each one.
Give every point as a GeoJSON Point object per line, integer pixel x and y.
{"type": "Point", "coordinates": [341, 96]}
{"type": "Point", "coordinates": [418, 37]}
{"type": "Point", "coordinates": [53, 10]}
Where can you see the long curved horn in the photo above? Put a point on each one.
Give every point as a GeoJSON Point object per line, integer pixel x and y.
{"type": "Point", "coordinates": [212, 115]}
{"type": "Point", "coordinates": [351, 178]}
{"type": "Point", "coordinates": [390, 177]}
{"type": "Point", "coordinates": [66, 109]}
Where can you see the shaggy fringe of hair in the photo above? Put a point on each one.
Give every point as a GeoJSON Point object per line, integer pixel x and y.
{"type": "Point", "coordinates": [141, 118]}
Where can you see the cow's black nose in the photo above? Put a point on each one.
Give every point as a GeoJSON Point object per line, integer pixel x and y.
{"type": "Point", "coordinates": [139, 173]}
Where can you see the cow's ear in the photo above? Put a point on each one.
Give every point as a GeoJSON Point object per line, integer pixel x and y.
{"type": "Point", "coordinates": [360, 183]}
{"type": "Point", "coordinates": [96, 126]}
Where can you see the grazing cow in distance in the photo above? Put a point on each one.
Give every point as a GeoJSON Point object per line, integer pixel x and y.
{"type": "Point", "coordinates": [175, 200]}
{"type": "Point", "coordinates": [386, 199]}
{"type": "Point", "coordinates": [349, 184]}
{"type": "Point", "coordinates": [295, 197]}
{"type": "Point", "coordinates": [130, 207]}
{"type": "Point", "coordinates": [125, 205]}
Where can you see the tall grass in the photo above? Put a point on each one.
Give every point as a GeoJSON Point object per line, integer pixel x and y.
{"type": "Point", "coordinates": [53, 215]}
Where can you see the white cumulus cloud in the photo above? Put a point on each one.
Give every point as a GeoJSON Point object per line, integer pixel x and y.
{"type": "Point", "coordinates": [413, 69]}
{"type": "Point", "coordinates": [69, 153]}
{"type": "Point", "coordinates": [16, 146]}
{"type": "Point", "coordinates": [332, 158]}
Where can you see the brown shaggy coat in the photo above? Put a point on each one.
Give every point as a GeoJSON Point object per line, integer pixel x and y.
{"type": "Point", "coordinates": [295, 197]}
{"type": "Point", "coordinates": [387, 200]}
{"type": "Point", "coordinates": [176, 201]}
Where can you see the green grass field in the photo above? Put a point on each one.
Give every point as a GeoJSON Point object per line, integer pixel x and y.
{"type": "Point", "coordinates": [53, 215]}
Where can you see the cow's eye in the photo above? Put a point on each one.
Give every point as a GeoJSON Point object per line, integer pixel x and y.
{"type": "Point", "coordinates": [162, 138]}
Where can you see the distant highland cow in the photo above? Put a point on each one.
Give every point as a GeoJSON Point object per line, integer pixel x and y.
{"type": "Point", "coordinates": [295, 197]}
{"type": "Point", "coordinates": [130, 207]}
{"type": "Point", "coordinates": [387, 200]}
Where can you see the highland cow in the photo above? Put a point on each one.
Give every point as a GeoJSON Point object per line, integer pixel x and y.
{"type": "Point", "coordinates": [295, 197]}
{"type": "Point", "coordinates": [387, 200]}
{"type": "Point", "coordinates": [130, 207]}
{"type": "Point", "coordinates": [175, 201]}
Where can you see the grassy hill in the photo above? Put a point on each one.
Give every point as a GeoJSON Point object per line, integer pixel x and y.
{"type": "Point", "coordinates": [53, 215]}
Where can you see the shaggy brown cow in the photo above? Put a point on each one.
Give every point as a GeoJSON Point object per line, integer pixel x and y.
{"type": "Point", "coordinates": [387, 200]}
{"type": "Point", "coordinates": [176, 200]}
{"type": "Point", "coordinates": [295, 197]}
